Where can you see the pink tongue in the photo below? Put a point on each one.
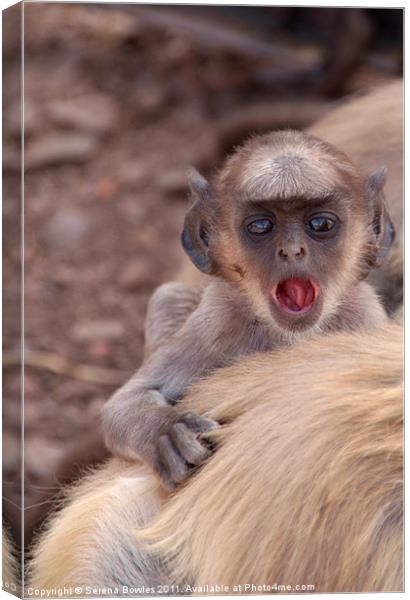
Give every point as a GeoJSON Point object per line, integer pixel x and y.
{"type": "Point", "coordinates": [296, 294]}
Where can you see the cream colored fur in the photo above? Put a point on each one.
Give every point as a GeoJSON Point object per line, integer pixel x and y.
{"type": "Point", "coordinates": [305, 488]}
{"type": "Point", "coordinates": [369, 129]}
{"type": "Point", "coordinates": [10, 567]}
{"type": "Point", "coordinates": [306, 484]}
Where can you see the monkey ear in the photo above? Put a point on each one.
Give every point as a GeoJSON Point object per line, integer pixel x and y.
{"type": "Point", "coordinates": [383, 229]}
{"type": "Point", "coordinates": [197, 184]}
{"type": "Point", "coordinates": [195, 237]}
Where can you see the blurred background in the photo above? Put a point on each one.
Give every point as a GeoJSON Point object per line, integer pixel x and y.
{"type": "Point", "coordinates": [119, 100]}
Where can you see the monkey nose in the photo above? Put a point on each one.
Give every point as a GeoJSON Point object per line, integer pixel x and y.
{"type": "Point", "coordinates": [292, 254]}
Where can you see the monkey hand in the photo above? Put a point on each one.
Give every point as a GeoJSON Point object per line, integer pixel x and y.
{"type": "Point", "coordinates": [180, 448]}
{"type": "Point", "coordinates": [155, 432]}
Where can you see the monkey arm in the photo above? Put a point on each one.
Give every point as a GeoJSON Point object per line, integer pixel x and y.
{"type": "Point", "coordinates": [168, 309]}
{"type": "Point", "coordinates": [141, 421]}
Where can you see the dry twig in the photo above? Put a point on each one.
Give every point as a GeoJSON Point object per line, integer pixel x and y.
{"type": "Point", "coordinates": [62, 366]}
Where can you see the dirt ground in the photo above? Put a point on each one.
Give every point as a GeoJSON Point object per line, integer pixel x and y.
{"type": "Point", "coordinates": [116, 108]}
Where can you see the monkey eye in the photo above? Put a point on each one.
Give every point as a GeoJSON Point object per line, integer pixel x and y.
{"type": "Point", "coordinates": [260, 226]}
{"type": "Point", "coordinates": [321, 224]}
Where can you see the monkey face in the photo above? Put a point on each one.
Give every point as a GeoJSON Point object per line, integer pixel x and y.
{"type": "Point", "coordinates": [293, 218]}
{"type": "Point", "coordinates": [290, 254]}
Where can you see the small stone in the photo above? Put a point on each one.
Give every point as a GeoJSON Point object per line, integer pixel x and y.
{"type": "Point", "coordinates": [33, 120]}
{"type": "Point", "coordinates": [32, 386]}
{"type": "Point", "coordinates": [11, 452]}
{"type": "Point", "coordinates": [106, 188]}
{"type": "Point", "coordinates": [88, 331]}
{"type": "Point", "coordinates": [134, 275]}
{"type": "Point", "coordinates": [94, 409]}
{"type": "Point", "coordinates": [41, 456]}
{"type": "Point", "coordinates": [95, 24]}
{"type": "Point", "coordinates": [11, 159]}
{"type": "Point", "coordinates": [96, 113]}
{"type": "Point", "coordinates": [134, 173]}
{"type": "Point", "coordinates": [149, 98]}
{"type": "Point", "coordinates": [177, 50]}
{"type": "Point", "coordinates": [173, 181]}
{"type": "Point", "coordinates": [82, 391]}
{"type": "Point", "coordinates": [59, 148]}
{"type": "Point", "coordinates": [99, 349]}
{"type": "Point", "coordinates": [66, 228]}
{"type": "Point", "coordinates": [12, 417]}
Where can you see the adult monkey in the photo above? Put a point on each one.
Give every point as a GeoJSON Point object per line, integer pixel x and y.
{"type": "Point", "coordinates": [92, 541]}
{"type": "Point", "coordinates": [316, 499]}
{"type": "Point", "coordinates": [306, 486]}
{"type": "Point", "coordinates": [370, 130]}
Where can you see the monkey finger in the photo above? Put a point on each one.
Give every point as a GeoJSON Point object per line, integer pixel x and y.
{"type": "Point", "coordinates": [198, 423]}
{"type": "Point", "coordinates": [175, 465]}
{"type": "Point", "coordinates": [188, 444]}
{"type": "Point", "coordinates": [165, 478]}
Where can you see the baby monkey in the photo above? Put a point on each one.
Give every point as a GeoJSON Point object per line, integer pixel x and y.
{"type": "Point", "coordinates": [288, 229]}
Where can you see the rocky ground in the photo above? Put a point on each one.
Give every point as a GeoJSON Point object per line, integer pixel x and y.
{"type": "Point", "coordinates": [116, 107]}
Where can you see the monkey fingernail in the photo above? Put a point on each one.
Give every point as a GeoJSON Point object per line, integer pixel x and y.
{"type": "Point", "coordinates": [173, 462]}
{"type": "Point", "coordinates": [188, 445]}
{"type": "Point", "coordinates": [165, 479]}
{"type": "Point", "coordinates": [198, 423]}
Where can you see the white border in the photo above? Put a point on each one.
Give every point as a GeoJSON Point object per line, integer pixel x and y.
{"type": "Point", "coordinates": [313, 3]}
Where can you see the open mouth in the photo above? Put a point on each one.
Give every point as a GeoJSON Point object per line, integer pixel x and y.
{"type": "Point", "coordinates": [295, 295]}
